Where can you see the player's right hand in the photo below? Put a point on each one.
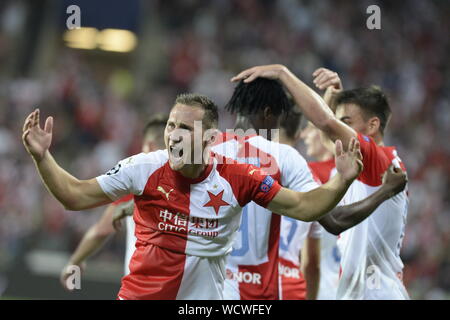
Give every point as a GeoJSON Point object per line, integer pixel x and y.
{"type": "Point", "coordinates": [394, 180]}
{"type": "Point", "coordinates": [272, 71]}
{"type": "Point", "coordinates": [35, 139]}
{"type": "Point", "coordinates": [349, 163]}
{"type": "Point", "coordinates": [122, 210]}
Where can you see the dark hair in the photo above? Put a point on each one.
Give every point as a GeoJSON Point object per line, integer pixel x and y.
{"type": "Point", "coordinates": [157, 122]}
{"type": "Point", "coordinates": [290, 122]}
{"type": "Point", "coordinates": [371, 100]}
{"type": "Point", "coordinates": [250, 98]}
{"type": "Point", "coordinates": [211, 115]}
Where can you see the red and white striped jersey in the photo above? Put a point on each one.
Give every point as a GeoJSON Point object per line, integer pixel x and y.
{"type": "Point", "coordinates": [293, 236]}
{"type": "Point", "coordinates": [371, 267]}
{"type": "Point", "coordinates": [184, 227]}
{"type": "Point", "coordinates": [252, 267]}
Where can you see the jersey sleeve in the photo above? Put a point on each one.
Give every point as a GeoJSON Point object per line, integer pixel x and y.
{"type": "Point", "coordinates": [123, 199]}
{"type": "Point", "coordinates": [296, 174]}
{"type": "Point", "coordinates": [374, 159]}
{"type": "Point", "coordinates": [130, 175]}
{"type": "Point", "coordinates": [250, 183]}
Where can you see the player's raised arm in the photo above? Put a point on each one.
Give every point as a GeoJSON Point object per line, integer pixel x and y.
{"type": "Point", "coordinates": [344, 217]}
{"type": "Point", "coordinates": [312, 205]}
{"type": "Point", "coordinates": [309, 102]}
{"type": "Point", "coordinates": [74, 194]}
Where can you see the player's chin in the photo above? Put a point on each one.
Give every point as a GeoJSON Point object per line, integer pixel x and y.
{"type": "Point", "coordinates": [176, 164]}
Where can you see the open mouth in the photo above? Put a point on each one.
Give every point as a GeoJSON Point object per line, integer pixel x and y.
{"type": "Point", "coordinates": [176, 151]}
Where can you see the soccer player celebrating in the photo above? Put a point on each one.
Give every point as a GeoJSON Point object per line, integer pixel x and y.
{"type": "Point", "coordinates": [186, 211]}
{"type": "Point", "coordinates": [252, 267]}
{"type": "Point", "coordinates": [371, 265]}
{"type": "Point", "coordinates": [339, 219]}
{"type": "Point", "coordinates": [96, 236]}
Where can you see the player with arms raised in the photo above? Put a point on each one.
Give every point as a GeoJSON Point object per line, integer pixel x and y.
{"type": "Point", "coordinates": [187, 212]}
{"type": "Point", "coordinates": [371, 264]}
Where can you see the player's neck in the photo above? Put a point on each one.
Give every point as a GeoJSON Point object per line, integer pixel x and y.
{"type": "Point", "coordinates": [378, 138]}
{"type": "Point", "coordinates": [286, 140]}
{"type": "Point", "coordinates": [193, 171]}
{"type": "Point", "coordinates": [243, 123]}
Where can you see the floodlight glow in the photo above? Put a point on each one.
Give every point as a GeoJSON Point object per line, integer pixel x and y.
{"type": "Point", "coordinates": [116, 40]}
{"type": "Point", "coordinates": [82, 38]}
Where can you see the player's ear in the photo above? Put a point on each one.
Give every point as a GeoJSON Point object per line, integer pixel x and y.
{"type": "Point", "coordinates": [210, 136]}
{"type": "Point", "coordinates": [374, 125]}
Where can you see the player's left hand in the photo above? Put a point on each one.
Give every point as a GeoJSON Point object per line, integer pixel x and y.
{"type": "Point", "coordinates": [349, 163]}
{"type": "Point", "coordinates": [122, 210]}
{"type": "Point", "coordinates": [394, 181]}
{"type": "Point", "coordinates": [272, 71]}
{"type": "Point", "coordinates": [327, 79]}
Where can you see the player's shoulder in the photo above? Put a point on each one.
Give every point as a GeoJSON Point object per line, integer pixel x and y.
{"type": "Point", "coordinates": [392, 154]}
{"type": "Point", "coordinates": [290, 158]}
{"type": "Point", "coordinates": [155, 158]}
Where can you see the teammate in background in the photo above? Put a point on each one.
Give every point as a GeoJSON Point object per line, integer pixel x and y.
{"type": "Point", "coordinates": [186, 211]}
{"type": "Point", "coordinates": [95, 238]}
{"type": "Point", "coordinates": [343, 217]}
{"type": "Point", "coordinates": [370, 264]}
{"type": "Point", "coordinates": [329, 252]}
{"type": "Point", "coordinates": [300, 242]}
{"type": "Point", "coordinates": [252, 267]}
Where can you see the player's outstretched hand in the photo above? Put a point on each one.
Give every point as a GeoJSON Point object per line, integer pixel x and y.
{"type": "Point", "coordinates": [272, 71]}
{"type": "Point", "coordinates": [349, 163]}
{"type": "Point", "coordinates": [122, 210]}
{"type": "Point", "coordinates": [35, 139]}
{"type": "Point", "coordinates": [394, 181]}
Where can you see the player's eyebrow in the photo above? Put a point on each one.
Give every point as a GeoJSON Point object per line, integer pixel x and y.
{"type": "Point", "coordinates": [185, 126]}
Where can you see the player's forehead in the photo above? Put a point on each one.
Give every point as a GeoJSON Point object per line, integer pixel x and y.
{"type": "Point", "coordinates": [348, 110]}
{"type": "Point", "coordinates": [184, 114]}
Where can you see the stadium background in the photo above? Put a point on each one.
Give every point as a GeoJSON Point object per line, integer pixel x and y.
{"type": "Point", "coordinates": [100, 100]}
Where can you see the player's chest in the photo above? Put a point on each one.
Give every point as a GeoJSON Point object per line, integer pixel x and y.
{"type": "Point", "coordinates": [212, 198]}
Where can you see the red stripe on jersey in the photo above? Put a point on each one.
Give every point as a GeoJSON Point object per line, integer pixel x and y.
{"type": "Point", "coordinates": [162, 219]}
{"type": "Point", "coordinates": [155, 274]}
{"type": "Point", "coordinates": [260, 281]}
{"type": "Point", "coordinates": [293, 283]}
{"type": "Point", "coordinates": [321, 170]}
{"type": "Point", "coordinates": [267, 288]}
{"type": "Point", "coordinates": [376, 160]}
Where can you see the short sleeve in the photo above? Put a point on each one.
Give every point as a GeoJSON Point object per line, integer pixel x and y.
{"type": "Point", "coordinates": [374, 159]}
{"type": "Point", "coordinates": [250, 183]}
{"type": "Point", "coordinates": [130, 175]}
{"type": "Point", "coordinates": [295, 173]}
{"type": "Point", "coordinates": [123, 199]}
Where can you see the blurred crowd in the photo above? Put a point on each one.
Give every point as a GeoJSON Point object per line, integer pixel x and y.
{"type": "Point", "coordinates": [98, 117]}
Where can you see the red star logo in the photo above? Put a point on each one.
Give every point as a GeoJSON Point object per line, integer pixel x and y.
{"type": "Point", "coordinates": [216, 201]}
